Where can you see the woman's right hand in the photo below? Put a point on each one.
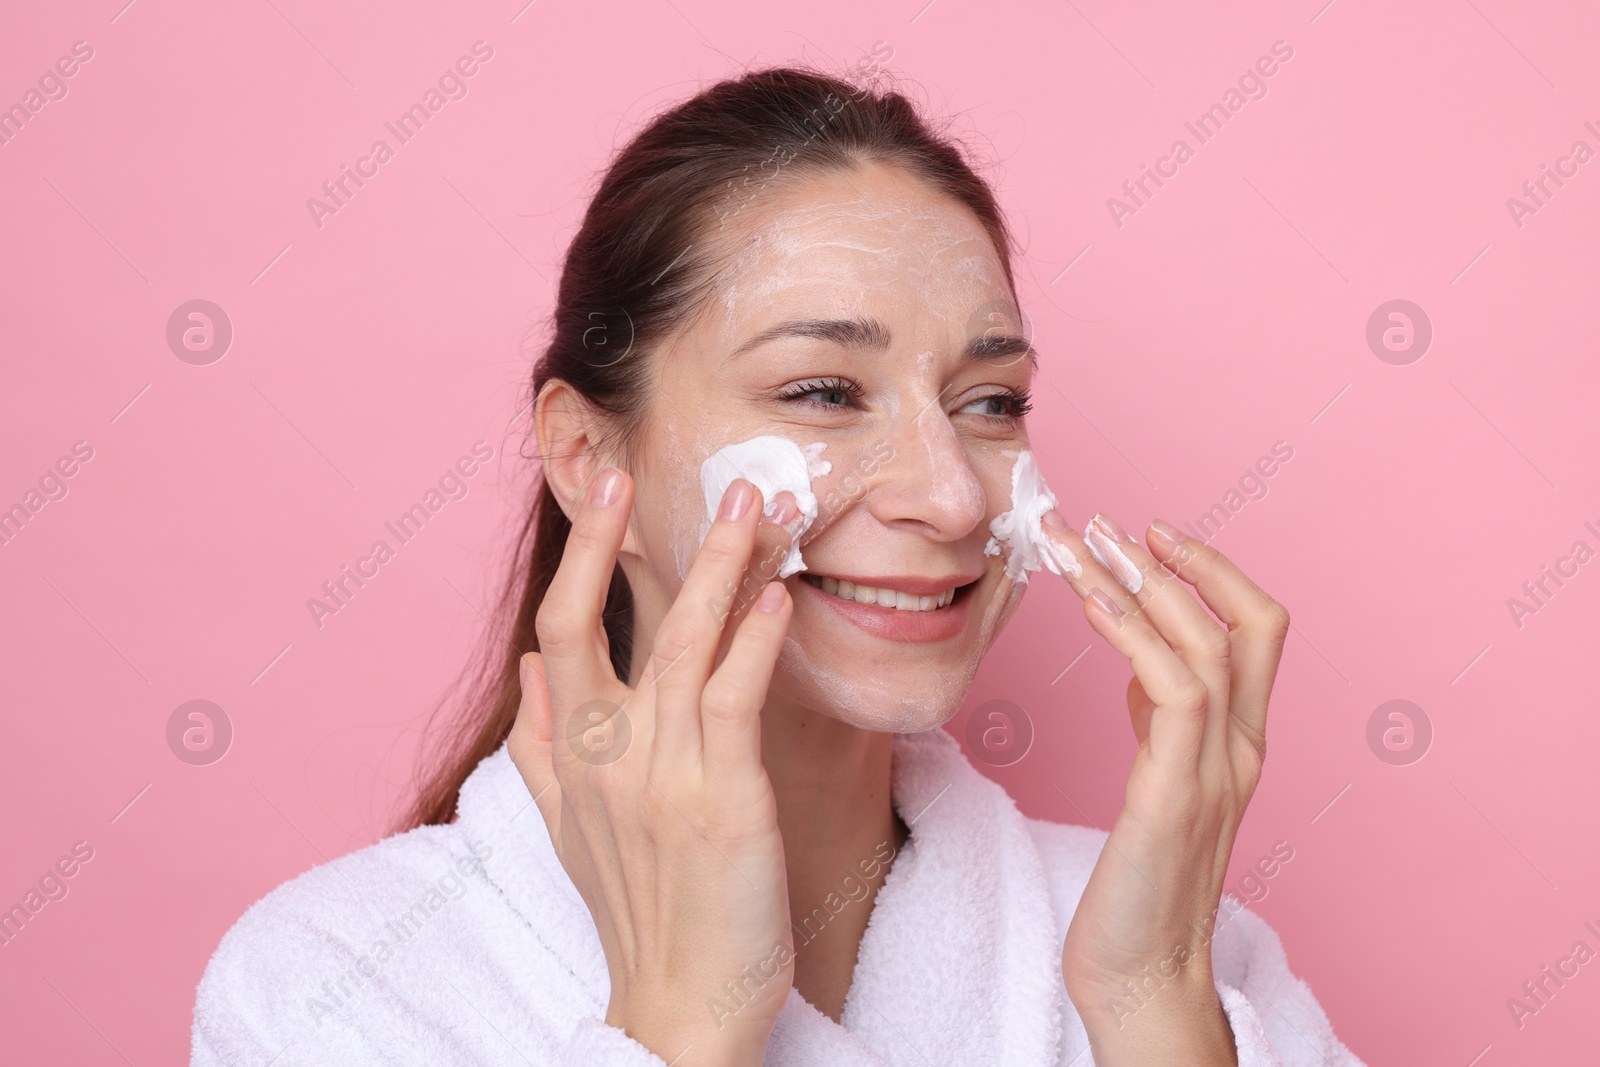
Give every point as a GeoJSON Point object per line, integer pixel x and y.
{"type": "Point", "coordinates": [673, 843]}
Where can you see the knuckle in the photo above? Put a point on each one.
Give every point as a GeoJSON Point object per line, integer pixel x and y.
{"type": "Point", "coordinates": [585, 537]}
{"type": "Point", "coordinates": [1192, 695]}
{"type": "Point", "coordinates": [672, 642]}
{"type": "Point", "coordinates": [1218, 646]}
{"type": "Point", "coordinates": [722, 552]}
{"type": "Point", "coordinates": [553, 627]}
{"type": "Point", "coordinates": [1273, 618]}
{"type": "Point", "coordinates": [722, 703]}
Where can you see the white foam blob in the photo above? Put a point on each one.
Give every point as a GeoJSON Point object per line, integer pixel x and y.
{"type": "Point", "coordinates": [1020, 531]}
{"type": "Point", "coordinates": [773, 465]}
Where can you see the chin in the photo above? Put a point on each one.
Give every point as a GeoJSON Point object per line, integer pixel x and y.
{"type": "Point", "coordinates": [858, 696]}
{"type": "Point", "coordinates": [894, 654]}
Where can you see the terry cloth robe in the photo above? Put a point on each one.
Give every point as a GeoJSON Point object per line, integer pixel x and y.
{"type": "Point", "coordinates": [468, 944]}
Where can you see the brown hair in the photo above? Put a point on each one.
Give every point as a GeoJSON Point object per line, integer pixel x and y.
{"type": "Point", "coordinates": [639, 267]}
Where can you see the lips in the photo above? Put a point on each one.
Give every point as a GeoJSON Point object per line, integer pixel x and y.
{"type": "Point", "coordinates": [896, 609]}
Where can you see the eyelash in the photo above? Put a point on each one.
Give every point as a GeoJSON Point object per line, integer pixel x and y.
{"type": "Point", "coordinates": [802, 390]}
{"type": "Point", "coordinates": [1019, 402]}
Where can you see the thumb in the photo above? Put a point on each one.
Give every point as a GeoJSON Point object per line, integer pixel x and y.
{"type": "Point", "coordinates": [529, 742]}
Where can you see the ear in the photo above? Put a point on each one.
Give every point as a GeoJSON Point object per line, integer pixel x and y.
{"type": "Point", "coordinates": [568, 430]}
{"type": "Point", "coordinates": [572, 448]}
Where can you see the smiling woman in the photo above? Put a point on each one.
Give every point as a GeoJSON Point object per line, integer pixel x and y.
{"type": "Point", "coordinates": [676, 901]}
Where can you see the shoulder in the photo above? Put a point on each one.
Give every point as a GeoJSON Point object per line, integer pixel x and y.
{"type": "Point", "coordinates": [295, 956]}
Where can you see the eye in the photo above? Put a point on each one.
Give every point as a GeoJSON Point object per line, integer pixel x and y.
{"type": "Point", "coordinates": [1007, 405]}
{"type": "Point", "coordinates": [826, 392]}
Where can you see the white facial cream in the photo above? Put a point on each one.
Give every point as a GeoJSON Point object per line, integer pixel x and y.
{"type": "Point", "coordinates": [773, 465]}
{"type": "Point", "coordinates": [1020, 531]}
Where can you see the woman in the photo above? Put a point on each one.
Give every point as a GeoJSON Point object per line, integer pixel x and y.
{"type": "Point", "coordinates": [757, 844]}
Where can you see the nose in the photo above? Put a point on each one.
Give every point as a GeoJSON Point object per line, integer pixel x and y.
{"type": "Point", "coordinates": [928, 483]}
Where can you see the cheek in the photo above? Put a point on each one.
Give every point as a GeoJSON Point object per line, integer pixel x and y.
{"type": "Point", "coordinates": [668, 510]}
{"type": "Point", "coordinates": [992, 463]}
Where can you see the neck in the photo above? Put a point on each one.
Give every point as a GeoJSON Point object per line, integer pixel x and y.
{"type": "Point", "coordinates": [840, 832]}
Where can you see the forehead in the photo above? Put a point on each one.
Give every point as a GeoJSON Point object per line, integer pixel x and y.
{"type": "Point", "coordinates": [875, 240]}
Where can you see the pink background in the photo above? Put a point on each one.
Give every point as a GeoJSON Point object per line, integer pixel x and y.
{"type": "Point", "coordinates": [1228, 314]}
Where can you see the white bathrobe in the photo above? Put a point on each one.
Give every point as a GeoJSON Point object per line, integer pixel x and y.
{"type": "Point", "coordinates": [468, 944]}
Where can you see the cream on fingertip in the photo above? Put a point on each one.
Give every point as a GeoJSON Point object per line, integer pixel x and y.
{"type": "Point", "coordinates": [1107, 549]}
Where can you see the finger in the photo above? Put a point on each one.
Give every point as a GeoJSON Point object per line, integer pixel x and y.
{"type": "Point", "coordinates": [1178, 723]}
{"type": "Point", "coordinates": [730, 708]}
{"type": "Point", "coordinates": [1257, 624]}
{"type": "Point", "coordinates": [530, 742]}
{"type": "Point", "coordinates": [1166, 602]}
{"type": "Point", "coordinates": [571, 638]}
{"type": "Point", "coordinates": [1083, 571]}
{"type": "Point", "coordinates": [689, 636]}
{"type": "Point", "coordinates": [774, 535]}
{"type": "Point", "coordinates": [1089, 577]}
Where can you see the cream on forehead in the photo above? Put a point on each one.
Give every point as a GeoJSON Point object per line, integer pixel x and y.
{"type": "Point", "coordinates": [805, 243]}
{"type": "Point", "coordinates": [1020, 531]}
{"type": "Point", "coordinates": [772, 464]}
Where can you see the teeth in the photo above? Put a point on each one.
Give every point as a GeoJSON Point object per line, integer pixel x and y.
{"type": "Point", "coordinates": [885, 598]}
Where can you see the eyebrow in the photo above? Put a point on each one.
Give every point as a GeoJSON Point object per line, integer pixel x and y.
{"type": "Point", "coordinates": [872, 334]}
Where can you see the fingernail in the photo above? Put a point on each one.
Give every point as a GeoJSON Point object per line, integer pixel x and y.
{"type": "Point", "coordinates": [607, 488]}
{"type": "Point", "coordinates": [1111, 557]}
{"type": "Point", "coordinates": [736, 501]}
{"type": "Point", "coordinates": [1054, 520]}
{"type": "Point", "coordinates": [1105, 602]}
{"type": "Point", "coordinates": [1111, 528]}
{"type": "Point", "coordinates": [785, 510]}
{"type": "Point", "coordinates": [1167, 531]}
{"type": "Point", "coordinates": [771, 598]}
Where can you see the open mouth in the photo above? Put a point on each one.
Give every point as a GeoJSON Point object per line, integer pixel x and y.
{"type": "Point", "coordinates": [883, 598]}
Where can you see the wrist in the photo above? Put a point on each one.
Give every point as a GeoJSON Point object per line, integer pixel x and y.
{"type": "Point", "coordinates": [1178, 1020]}
{"type": "Point", "coordinates": [684, 1039]}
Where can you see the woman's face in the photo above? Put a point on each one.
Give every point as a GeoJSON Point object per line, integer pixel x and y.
{"type": "Point", "coordinates": [920, 429]}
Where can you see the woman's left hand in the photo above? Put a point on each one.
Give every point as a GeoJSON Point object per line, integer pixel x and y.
{"type": "Point", "coordinates": [1137, 956]}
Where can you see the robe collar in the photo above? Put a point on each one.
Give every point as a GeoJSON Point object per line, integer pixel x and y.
{"type": "Point", "coordinates": [961, 959]}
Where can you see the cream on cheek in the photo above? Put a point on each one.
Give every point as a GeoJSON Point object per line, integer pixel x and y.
{"type": "Point", "coordinates": [1020, 533]}
{"type": "Point", "coordinates": [774, 465]}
